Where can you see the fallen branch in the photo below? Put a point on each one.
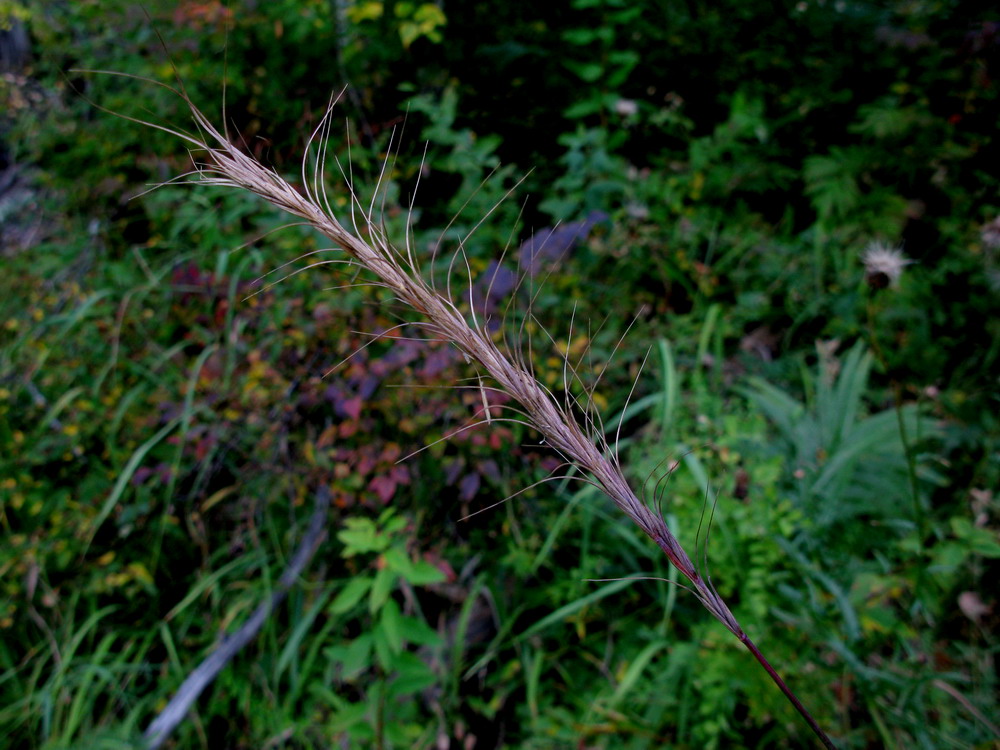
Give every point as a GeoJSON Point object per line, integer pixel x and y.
{"type": "Point", "coordinates": [203, 675]}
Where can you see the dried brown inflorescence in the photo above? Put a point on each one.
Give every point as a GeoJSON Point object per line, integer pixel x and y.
{"type": "Point", "coordinates": [224, 164]}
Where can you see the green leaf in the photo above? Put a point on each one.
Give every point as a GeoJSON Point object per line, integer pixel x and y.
{"type": "Point", "coordinates": [947, 557]}
{"type": "Point", "coordinates": [385, 582]}
{"type": "Point", "coordinates": [390, 523]}
{"type": "Point", "coordinates": [832, 181]}
{"type": "Point", "coordinates": [124, 477]}
{"type": "Point", "coordinates": [583, 37]}
{"type": "Point", "coordinates": [625, 59]}
{"type": "Point", "coordinates": [422, 572]}
{"type": "Point", "coordinates": [383, 651]}
{"type": "Point", "coordinates": [980, 541]}
{"type": "Point", "coordinates": [413, 675]}
{"type": "Point", "coordinates": [354, 657]}
{"type": "Point", "coordinates": [584, 108]}
{"type": "Point", "coordinates": [635, 670]}
{"type": "Point", "coordinates": [392, 626]}
{"type": "Point", "coordinates": [418, 573]}
{"type": "Point", "coordinates": [361, 536]}
{"type": "Point", "coordinates": [587, 71]}
{"type": "Point", "coordinates": [573, 607]}
{"type": "Point", "coordinates": [397, 560]}
{"type": "Point", "coordinates": [424, 20]}
{"type": "Point", "coordinates": [347, 717]}
{"type": "Point", "coordinates": [351, 594]}
{"type": "Point", "coordinates": [419, 632]}
{"type": "Point", "coordinates": [290, 652]}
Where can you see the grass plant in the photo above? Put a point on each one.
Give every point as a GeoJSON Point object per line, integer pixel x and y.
{"type": "Point", "coordinates": [452, 316]}
{"type": "Point", "coordinates": [744, 181]}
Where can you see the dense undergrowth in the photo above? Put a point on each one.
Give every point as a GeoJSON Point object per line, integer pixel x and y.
{"type": "Point", "coordinates": [714, 177]}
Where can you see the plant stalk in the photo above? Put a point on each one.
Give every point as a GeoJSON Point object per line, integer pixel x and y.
{"type": "Point", "coordinates": [752, 648]}
{"type": "Point", "coordinates": [714, 603]}
{"type": "Point", "coordinates": [580, 444]}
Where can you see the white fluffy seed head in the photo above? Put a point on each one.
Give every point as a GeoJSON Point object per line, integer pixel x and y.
{"type": "Point", "coordinates": [883, 265]}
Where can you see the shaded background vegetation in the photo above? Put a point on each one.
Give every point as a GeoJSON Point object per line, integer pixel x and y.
{"type": "Point", "coordinates": [162, 432]}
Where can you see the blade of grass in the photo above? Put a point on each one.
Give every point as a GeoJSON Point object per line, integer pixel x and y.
{"type": "Point", "coordinates": [670, 386]}
{"type": "Point", "coordinates": [124, 477]}
{"type": "Point", "coordinates": [87, 691]}
{"type": "Point", "coordinates": [557, 527]}
{"type": "Point", "coordinates": [635, 670]}
{"type": "Point", "coordinates": [458, 644]}
{"type": "Point", "coordinates": [242, 564]}
{"type": "Point", "coordinates": [573, 607]}
{"type": "Point", "coordinates": [299, 632]}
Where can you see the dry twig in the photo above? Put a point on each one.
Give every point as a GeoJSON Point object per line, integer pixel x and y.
{"type": "Point", "coordinates": [202, 676]}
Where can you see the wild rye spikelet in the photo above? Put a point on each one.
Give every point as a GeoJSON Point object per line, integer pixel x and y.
{"type": "Point", "coordinates": [396, 269]}
{"type": "Point", "coordinates": [883, 265]}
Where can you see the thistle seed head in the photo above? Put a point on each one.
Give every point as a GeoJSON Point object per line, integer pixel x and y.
{"type": "Point", "coordinates": [990, 234]}
{"type": "Point", "coordinates": [883, 265]}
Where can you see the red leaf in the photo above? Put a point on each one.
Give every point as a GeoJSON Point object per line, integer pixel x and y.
{"type": "Point", "coordinates": [384, 487]}
{"type": "Point", "coordinates": [352, 407]}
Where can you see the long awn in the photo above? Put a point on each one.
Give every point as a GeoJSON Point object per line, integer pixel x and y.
{"type": "Point", "coordinates": [509, 366]}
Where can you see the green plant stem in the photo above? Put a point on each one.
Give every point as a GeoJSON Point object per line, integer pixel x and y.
{"type": "Point", "coordinates": [911, 464]}
{"type": "Point", "coordinates": [752, 648]}
{"type": "Point", "coordinates": [380, 715]}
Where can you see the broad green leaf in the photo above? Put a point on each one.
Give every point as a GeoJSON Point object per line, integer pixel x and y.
{"type": "Point", "coordinates": [384, 654]}
{"type": "Point", "coordinates": [347, 717]}
{"type": "Point", "coordinates": [422, 572]}
{"type": "Point", "coordinates": [583, 108]}
{"type": "Point", "coordinates": [419, 633]}
{"type": "Point", "coordinates": [385, 582]}
{"type": "Point", "coordinates": [354, 657]}
{"type": "Point", "coordinates": [391, 624]}
{"type": "Point", "coordinates": [412, 675]}
{"type": "Point", "coordinates": [587, 71]}
{"type": "Point", "coordinates": [370, 10]}
{"type": "Point", "coordinates": [361, 536]}
{"type": "Point", "coordinates": [980, 541]}
{"type": "Point", "coordinates": [351, 594]}
{"type": "Point", "coordinates": [418, 572]}
{"type": "Point", "coordinates": [397, 560]}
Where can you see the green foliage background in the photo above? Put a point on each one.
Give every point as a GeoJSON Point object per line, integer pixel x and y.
{"type": "Point", "coordinates": [166, 415]}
